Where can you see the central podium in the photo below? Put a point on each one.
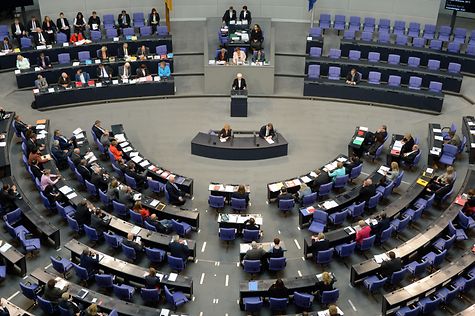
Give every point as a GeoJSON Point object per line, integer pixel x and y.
{"type": "Point", "coordinates": [238, 103]}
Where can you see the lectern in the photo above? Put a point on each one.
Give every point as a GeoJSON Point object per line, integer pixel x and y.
{"type": "Point", "coordinates": [239, 103]}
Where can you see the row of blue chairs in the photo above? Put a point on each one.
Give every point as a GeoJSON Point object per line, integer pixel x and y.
{"type": "Point", "coordinates": [218, 202]}
{"type": "Point", "coordinates": [20, 233]}
{"type": "Point", "coordinates": [393, 59]}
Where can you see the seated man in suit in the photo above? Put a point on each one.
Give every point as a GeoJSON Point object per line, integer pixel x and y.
{"type": "Point", "coordinates": [89, 260]}
{"type": "Point", "coordinates": [18, 30]}
{"type": "Point", "coordinates": [388, 267]}
{"type": "Point", "coordinates": [60, 155]}
{"type": "Point", "coordinates": [41, 83]}
{"type": "Point", "coordinates": [259, 56]}
{"type": "Point", "coordinates": [245, 15]}
{"type": "Point", "coordinates": [367, 191]}
{"type": "Point", "coordinates": [152, 281]}
{"type": "Point", "coordinates": [21, 126]}
{"type": "Point", "coordinates": [353, 77]}
{"type": "Point", "coordinates": [40, 38]}
{"type": "Point", "coordinates": [82, 77]}
{"type": "Point", "coordinates": [142, 52]}
{"type": "Point", "coordinates": [239, 83]}
{"type": "Point", "coordinates": [104, 73]}
{"type": "Point", "coordinates": [125, 71]}
{"type": "Point", "coordinates": [98, 222]}
{"type": "Point", "coordinates": [130, 242]}
{"type": "Point", "coordinates": [229, 15]}
{"type": "Point", "coordinates": [126, 196]}
{"type": "Point", "coordinates": [176, 196]}
{"type": "Point", "coordinates": [140, 179]}
{"type": "Point", "coordinates": [52, 293]}
{"type": "Point", "coordinates": [76, 156]}
{"type": "Point", "coordinates": [6, 45]}
{"type": "Point", "coordinates": [123, 51]}
{"type": "Point", "coordinates": [409, 157]}
{"type": "Point", "coordinates": [179, 248]}
{"type": "Point", "coordinates": [123, 19]}
{"type": "Point", "coordinates": [255, 253]}
{"type": "Point", "coordinates": [64, 142]}
{"type": "Point", "coordinates": [64, 80]}
{"type": "Point", "coordinates": [100, 178]}
{"type": "Point", "coordinates": [44, 61]}
{"type": "Point", "coordinates": [163, 226]}
{"type": "Point", "coordinates": [319, 243]}
{"type": "Point", "coordinates": [84, 170]}
{"type": "Point", "coordinates": [97, 129]}
{"type": "Point", "coordinates": [35, 169]}
{"type": "Point", "coordinates": [142, 71]}
{"type": "Point", "coordinates": [267, 131]}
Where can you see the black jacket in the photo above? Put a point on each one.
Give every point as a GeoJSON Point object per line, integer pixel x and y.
{"type": "Point", "coordinates": [247, 18]}
{"type": "Point", "coordinates": [389, 267]}
{"type": "Point", "coordinates": [179, 250]}
{"type": "Point", "coordinates": [90, 263]}
{"type": "Point", "coordinates": [320, 245]}
{"type": "Point", "coordinates": [366, 193]}
{"type": "Point", "coordinates": [236, 84]}
{"type": "Point", "coordinates": [229, 17]}
{"type": "Point", "coordinates": [174, 193]}
{"type": "Point", "coordinates": [132, 244]}
{"type": "Point", "coordinates": [262, 132]}
{"type": "Point", "coordinates": [83, 215]}
{"type": "Point", "coordinates": [152, 282]}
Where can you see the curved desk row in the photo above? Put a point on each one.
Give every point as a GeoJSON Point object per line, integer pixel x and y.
{"type": "Point", "coordinates": [13, 309]}
{"type": "Point", "coordinates": [26, 78]}
{"type": "Point", "coordinates": [468, 130]}
{"type": "Point", "coordinates": [62, 96]}
{"type": "Point", "coordinates": [467, 61]}
{"type": "Point", "coordinates": [426, 286]}
{"type": "Point", "coordinates": [8, 61]}
{"type": "Point", "coordinates": [423, 100]}
{"type": "Point", "coordinates": [240, 147]}
{"type": "Point", "coordinates": [154, 170]}
{"type": "Point", "coordinates": [344, 235]}
{"type": "Point", "coordinates": [450, 81]}
{"type": "Point", "coordinates": [127, 271]}
{"type": "Point", "coordinates": [107, 303]}
{"type": "Point", "coordinates": [420, 242]}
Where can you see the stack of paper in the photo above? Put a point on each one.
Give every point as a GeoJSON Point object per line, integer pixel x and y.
{"type": "Point", "coordinates": [120, 138]}
{"type": "Point", "coordinates": [274, 187]}
{"type": "Point", "coordinates": [437, 130]}
{"type": "Point", "coordinates": [330, 204]}
{"type": "Point", "coordinates": [358, 140]}
{"type": "Point", "coordinates": [380, 258]}
{"type": "Point", "coordinates": [435, 151]}
{"type": "Point", "coordinates": [172, 277]}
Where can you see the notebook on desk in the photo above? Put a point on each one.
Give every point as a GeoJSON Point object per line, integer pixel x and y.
{"type": "Point", "coordinates": [253, 286]}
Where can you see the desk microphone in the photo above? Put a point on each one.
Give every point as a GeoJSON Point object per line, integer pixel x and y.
{"type": "Point", "coordinates": [255, 141]}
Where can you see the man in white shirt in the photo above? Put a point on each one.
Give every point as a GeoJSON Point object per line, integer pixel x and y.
{"type": "Point", "coordinates": [40, 37]}
{"type": "Point", "coordinates": [245, 15]}
{"type": "Point", "coordinates": [18, 30]}
{"type": "Point", "coordinates": [63, 24]}
{"type": "Point", "coordinates": [104, 73]}
{"type": "Point", "coordinates": [125, 71]}
{"type": "Point", "coordinates": [229, 15]}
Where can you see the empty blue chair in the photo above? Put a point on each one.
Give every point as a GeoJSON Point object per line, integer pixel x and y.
{"type": "Point", "coordinates": [313, 72]}
{"type": "Point", "coordinates": [113, 240]}
{"type": "Point", "coordinates": [435, 86]}
{"type": "Point", "coordinates": [303, 300]}
{"type": "Point", "coordinates": [91, 188]}
{"type": "Point", "coordinates": [252, 266]}
{"type": "Point", "coordinates": [385, 190]}
{"type": "Point", "coordinates": [386, 234]}
{"type": "Point", "coordinates": [453, 47]}
{"type": "Point", "coordinates": [109, 21]}
{"type": "Point", "coordinates": [325, 21]}
{"type": "Point", "coordinates": [415, 83]}
{"type": "Point", "coordinates": [429, 304]}
{"type": "Point", "coordinates": [161, 50]}
{"type": "Point", "coordinates": [444, 33]}
{"type": "Point", "coordinates": [181, 228]}
{"type": "Point", "coordinates": [355, 210]}
{"type": "Point", "coordinates": [426, 202]}
{"type": "Point", "coordinates": [464, 284]}
{"type": "Point", "coordinates": [433, 64]}
{"type": "Point", "coordinates": [119, 209]}
{"type": "Point", "coordinates": [447, 294]}
{"type": "Point", "coordinates": [13, 217]}
{"type": "Point", "coordinates": [366, 243]}
{"type": "Point", "coordinates": [460, 35]}
{"type": "Point", "coordinates": [449, 153]}
{"type": "Point", "coordinates": [82, 273]}
{"type": "Point", "coordinates": [286, 205]}
{"type": "Point", "coordinates": [162, 30]}
{"type": "Point", "coordinates": [154, 186]}
{"type": "Point", "coordinates": [84, 55]}
{"type": "Point", "coordinates": [338, 218]}
{"type": "Point", "coordinates": [400, 224]}
{"type": "Point", "coordinates": [329, 297]}
{"type": "Point", "coordinates": [334, 73]}
{"type": "Point", "coordinates": [368, 24]}
{"type": "Point", "coordinates": [459, 233]}
{"type": "Point", "coordinates": [349, 35]}
{"type": "Point", "coordinates": [429, 31]}
{"type": "Point", "coordinates": [435, 44]}
{"type": "Point", "coordinates": [64, 58]}
{"type": "Point", "coordinates": [278, 304]}
{"type": "Point", "coordinates": [46, 203]}
{"type": "Point", "coordinates": [155, 255]}
{"type": "Point", "coordinates": [129, 252]}
{"type": "Point", "coordinates": [399, 27]}
{"type": "Point", "coordinates": [47, 306]}
{"type": "Point", "coordinates": [61, 38]}
{"type": "Point", "coordinates": [394, 81]}
{"type": "Point", "coordinates": [466, 222]}
{"type": "Point", "coordinates": [96, 36]}
{"type": "Point", "coordinates": [435, 259]}
{"type": "Point", "coordinates": [414, 62]}
{"type": "Point", "coordinates": [65, 210]}
{"type": "Point", "coordinates": [354, 55]}
{"type": "Point", "coordinates": [355, 172]}
{"type": "Point", "coordinates": [398, 276]}
{"type": "Point", "coordinates": [29, 244]}
{"type": "Point", "coordinates": [315, 31]}
{"type": "Point", "coordinates": [175, 299]}
{"type": "Point", "coordinates": [340, 181]}
{"type": "Point", "coordinates": [334, 53]}
{"type": "Point", "coordinates": [355, 23]}
{"type": "Point", "coordinates": [315, 51]}
{"type": "Point", "coordinates": [414, 29]}
{"type": "Point", "coordinates": [373, 283]}
{"type": "Point", "coordinates": [238, 205]}
{"type": "Point", "coordinates": [277, 264]}
{"type": "Point", "coordinates": [378, 151]}
{"type": "Point", "coordinates": [309, 199]}
{"type": "Point", "coordinates": [319, 222]}
{"type": "Point", "coordinates": [62, 265]}
{"type": "Point", "coordinates": [92, 234]}
{"type": "Point", "coordinates": [176, 264]}
{"type": "Point", "coordinates": [25, 42]}
{"type": "Point", "coordinates": [29, 290]}
{"type": "Point", "coordinates": [367, 36]}
{"type": "Point", "coordinates": [250, 235]}
{"type": "Point", "coordinates": [123, 292]}
{"type": "Point", "coordinates": [373, 201]}
{"type": "Point", "coordinates": [326, 188]}
{"type": "Point", "coordinates": [340, 22]}
{"type": "Point", "coordinates": [345, 250]}
{"type": "Point", "coordinates": [145, 31]}
{"type": "Point", "coordinates": [139, 19]}
{"type": "Point", "coordinates": [136, 218]}
{"type": "Point", "coordinates": [16, 231]}
{"type": "Point", "coordinates": [454, 68]}
{"type": "Point", "coordinates": [414, 214]}
{"type": "Point", "coordinates": [104, 281]}
{"type": "Point", "coordinates": [130, 181]}
{"type": "Point", "coordinates": [227, 234]}
{"type": "Point", "coordinates": [401, 39]}
{"type": "Point", "coordinates": [324, 256]}
{"type": "Point", "coordinates": [252, 304]}
{"type": "Point", "coordinates": [374, 77]}
{"type": "Point", "coordinates": [150, 295]}
{"type": "Point", "coordinates": [408, 311]}
{"type": "Point", "coordinates": [383, 38]}
{"type": "Point", "coordinates": [442, 243]}
{"type": "Point", "coordinates": [416, 268]}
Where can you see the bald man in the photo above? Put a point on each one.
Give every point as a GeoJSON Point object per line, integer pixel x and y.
{"type": "Point", "coordinates": [239, 83]}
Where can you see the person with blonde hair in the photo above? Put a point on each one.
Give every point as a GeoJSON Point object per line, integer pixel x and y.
{"type": "Point", "coordinates": [442, 184]}
{"type": "Point", "coordinates": [103, 53]}
{"type": "Point", "coordinates": [22, 62]}
{"type": "Point", "coordinates": [392, 173]}
{"type": "Point", "coordinates": [325, 284]}
{"type": "Point", "coordinates": [363, 233]}
{"type": "Point", "coordinates": [92, 311]}
{"type": "Point", "coordinates": [407, 143]}
{"type": "Point", "coordinates": [333, 310]}
{"type": "Point", "coordinates": [226, 132]}
{"type": "Point", "coordinates": [303, 191]}
{"type": "Point", "coordinates": [338, 172]}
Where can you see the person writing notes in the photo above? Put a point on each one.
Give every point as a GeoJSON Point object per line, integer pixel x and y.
{"type": "Point", "coordinates": [125, 71]}
{"type": "Point", "coordinates": [164, 70]}
{"type": "Point", "coordinates": [64, 80]}
{"type": "Point", "coordinates": [239, 57]}
{"type": "Point", "coordinates": [225, 133]}
{"type": "Point", "coordinates": [267, 131]}
{"type": "Point", "coordinates": [353, 77]}
{"type": "Point", "coordinates": [239, 83]}
{"type": "Point", "coordinates": [22, 62]}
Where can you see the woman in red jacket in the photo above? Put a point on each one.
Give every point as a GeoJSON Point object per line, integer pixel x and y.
{"type": "Point", "coordinates": [114, 150]}
{"type": "Point", "coordinates": [363, 233]}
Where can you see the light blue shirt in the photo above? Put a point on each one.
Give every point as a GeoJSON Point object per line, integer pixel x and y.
{"type": "Point", "coordinates": [164, 72]}
{"type": "Point", "coordinates": [337, 173]}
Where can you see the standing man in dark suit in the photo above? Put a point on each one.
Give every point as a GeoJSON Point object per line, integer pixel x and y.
{"type": "Point", "coordinates": [267, 131]}
{"type": "Point", "coordinates": [63, 25]}
{"type": "Point", "coordinates": [367, 191]}
{"type": "Point", "coordinates": [390, 266]}
{"type": "Point", "coordinates": [123, 19]}
{"type": "Point", "coordinates": [33, 24]}
{"type": "Point", "coordinates": [44, 61]}
{"type": "Point", "coordinates": [177, 197]}
{"type": "Point", "coordinates": [178, 248]}
{"type": "Point", "coordinates": [89, 261]}
{"type": "Point", "coordinates": [229, 15]}
{"type": "Point", "coordinates": [239, 83]}
{"type": "Point", "coordinates": [245, 15]}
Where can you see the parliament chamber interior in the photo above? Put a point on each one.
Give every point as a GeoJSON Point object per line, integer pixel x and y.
{"type": "Point", "coordinates": [209, 157]}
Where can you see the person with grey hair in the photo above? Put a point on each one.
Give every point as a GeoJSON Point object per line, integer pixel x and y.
{"type": "Point", "coordinates": [176, 196]}
{"type": "Point", "coordinates": [60, 155]}
{"type": "Point", "coordinates": [239, 83]}
{"type": "Point", "coordinates": [41, 83]}
{"type": "Point", "coordinates": [132, 243]}
{"type": "Point", "coordinates": [179, 248]}
{"type": "Point", "coordinates": [255, 253]}
{"type": "Point", "coordinates": [367, 190]}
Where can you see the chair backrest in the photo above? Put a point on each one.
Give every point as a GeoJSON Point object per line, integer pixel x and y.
{"type": "Point", "coordinates": [138, 17]}
{"type": "Point", "coordinates": [341, 181]}
{"type": "Point", "coordinates": [334, 53]}
{"type": "Point", "coordinates": [91, 188]}
{"type": "Point", "coordinates": [128, 31]}
{"type": "Point", "coordinates": [398, 276]}
{"type": "Point", "coordinates": [252, 266]}
{"type": "Point", "coordinates": [349, 34]}
{"type": "Point", "coordinates": [46, 306]}
{"type": "Point", "coordinates": [330, 296]}
{"type": "Point", "coordinates": [413, 61]}
{"type": "Point", "coordinates": [250, 235]}
{"type": "Point", "coordinates": [303, 300]}
{"type": "Point", "coordinates": [369, 21]}
{"type": "Point", "coordinates": [25, 42]}
{"type": "Point", "coordinates": [309, 199]}
{"type": "Point", "coordinates": [374, 77]}
{"type": "Point", "coordinates": [401, 39]}
{"type": "Point", "coordinates": [433, 64]}
{"type": "Point", "coordinates": [150, 295]}
{"type": "Point", "coordinates": [277, 264]}
{"type": "Point", "coordinates": [238, 204]}
{"type": "Point", "coordinates": [136, 218]}
{"type": "Point", "coordinates": [84, 55]}
{"type": "Point", "coordinates": [367, 243]}
{"type": "Point", "coordinates": [121, 291]}
{"type": "Point", "coordinates": [367, 36]}
{"type": "Point", "coordinates": [383, 37]}
{"type": "Point", "coordinates": [354, 55]}
{"type": "Point", "coordinates": [435, 86]}
{"type": "Point", "coordinates": [374, 56]}
{"type": "Point", "coordinates": [119, 208]}
{"type": "Point", "coordinates": [314, 71]}
{"type": "Point", "coordinates": [111, 240]}
{"type": "Point", "coordinates": [334, 73]}
{"type": "Point", "coordinates": [454, 68]}
{"type": "Point", "coordinates": [111, 32]}
{"type": "Point", "coordinates": [162, 30]}
{"type": "Point", "coordinates": [453, 47]}
{"type": "Point", "coordinates": [28, 290]}
{"type": "Point", "coordinates": [227, 233]}
{"type": "Point", "coordinates": [61, 38]}
{"type": "Point", "coordinates": [373, 201]}
{"type": "Point", "coordinates": [145, 30]}
{"type": "Point", "coordinates": [278, 304]}
{"type": "Point", "coordinates": [315, 51]}
{"type": "Point", "coordinates": [394, 59]}
{"type": "Point", "coordinates": [64, 58]}
{"type": "Point", "coordinates": [96, 35]}
{"type": "Point", "coordinates": [315, 31]}
{"type": "Point", "coordinates": [435, 44]}
{"type": "Point", "coordinates": [347, 249]}
{"type": "Point", "coordinates": [399, 25]}
{"type": "Point", "coordinates": [324, 256]}
{"type": "Point", "coordinates": [449, 150]}
{"type": "Point", "coordinates": [355, 20]}
{"type": "Point", "coordinates": [216, 201]}
{"type": "Point", "coordinates": [386, 234]}
{"type": "Point", "coordinates": [161, 49]}
{"type": "Point", "coordinates": [104, 280]}
{"type": "Point", "coordinates": [415, 82]}
{"type": "Point", "coordinates": [129, 252]}
{"type": "Point", "coordinates": [155, 255]}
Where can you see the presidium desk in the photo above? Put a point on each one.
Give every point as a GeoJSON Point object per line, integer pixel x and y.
{"type": "Point", "coordinates": [243, 145]}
